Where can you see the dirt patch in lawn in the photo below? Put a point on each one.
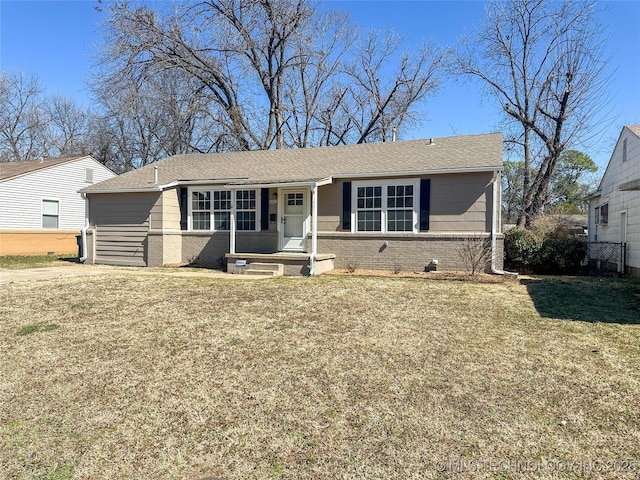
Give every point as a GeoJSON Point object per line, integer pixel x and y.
{"type": "Point", "coordinates": [346, 377]}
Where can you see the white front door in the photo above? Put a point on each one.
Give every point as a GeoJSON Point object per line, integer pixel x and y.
{"type": "Point", "coordinates": [293, 220]}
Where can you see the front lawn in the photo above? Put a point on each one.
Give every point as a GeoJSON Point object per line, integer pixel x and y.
{"type": "Point", "coordinates": [15, 262]}
{"type": "Point", "coordinates": [341, 377]}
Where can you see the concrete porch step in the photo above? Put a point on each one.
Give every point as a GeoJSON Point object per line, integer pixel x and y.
{"type": "Point", "coordinates": [262, 268]}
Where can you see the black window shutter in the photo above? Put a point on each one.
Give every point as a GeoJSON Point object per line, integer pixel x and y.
{"type": "Point", "coordinates": [346, 206]}
{"type": "Point", "coordinates": [425, 196]}
{"type": "Point", "coordinates": [264, 209]}
{"type": "Point", "coordinates": [183, 208]}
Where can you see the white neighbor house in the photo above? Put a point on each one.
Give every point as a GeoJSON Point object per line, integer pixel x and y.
{"type": "Point", "coordinates": [614, 209]}
{"type": "Point", "coordinates": [41, 209]}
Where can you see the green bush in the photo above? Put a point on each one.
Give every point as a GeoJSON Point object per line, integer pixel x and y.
{"type": "Point", "coordinates": [544, 250]}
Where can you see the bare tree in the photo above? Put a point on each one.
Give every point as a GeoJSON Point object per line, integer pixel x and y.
{"type": "Point", "coordinates": [67, 127]}
{"type": "Point", "coordinates": [21, 118]}
{"type": "Point", "coordinates": [313, 91]}
{"type": "Point", "coordinates": [383, 106]}
{"type": "Point", "coordinates": [273, 72]}
{"type": "Point", "coordinates": [542, 62]}
{"type": "Point", "coordinates": [145, 122]}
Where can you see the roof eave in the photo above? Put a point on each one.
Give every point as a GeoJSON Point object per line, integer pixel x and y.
{"type": "Point", "coordinates": [45, 167]}
{"type": "Point", "coordinates": [155, 188]}
{"type": "Point", "coordinates": [435, 171]}
{"type": "Point", "coordinates": [593, 195]}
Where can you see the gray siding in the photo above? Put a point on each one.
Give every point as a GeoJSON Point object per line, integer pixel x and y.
{"type": "Point", "coordinates": [121, 223]}
{"type": "Point", "coordinates": [460, 202]}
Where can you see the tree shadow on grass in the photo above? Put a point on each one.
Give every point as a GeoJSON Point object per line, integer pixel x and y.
{"type": "Point", "coordinates": [586, 299]}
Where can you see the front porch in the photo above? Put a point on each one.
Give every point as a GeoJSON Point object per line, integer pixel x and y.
{"type": "Point", "coordinates": [294, 263]}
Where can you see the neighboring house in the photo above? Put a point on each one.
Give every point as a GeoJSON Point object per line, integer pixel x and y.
{"type": "Point", "coordinates": [404, 206]}
{"type": "Point", "coordinates": [41, 208]}
{"type": "Point", "coordinates": [614, 209]}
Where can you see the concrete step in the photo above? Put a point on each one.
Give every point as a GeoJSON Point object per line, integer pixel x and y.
{"type": "Point", "coordinates": [265, 273]}
{"type": "Point", "coordinates": [262, 268]}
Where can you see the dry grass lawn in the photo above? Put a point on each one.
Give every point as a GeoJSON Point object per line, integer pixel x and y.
{"type": "Point", "coordinates": [345, 377]}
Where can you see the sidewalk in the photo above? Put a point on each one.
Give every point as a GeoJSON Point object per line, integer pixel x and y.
{"type": "Point", "coordinates": [79, 270]}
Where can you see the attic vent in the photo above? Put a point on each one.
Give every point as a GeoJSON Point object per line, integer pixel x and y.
{"type": "Point", "coordinates": [88, 175]}
{"type": "Point", "coordinates": [624, 150]}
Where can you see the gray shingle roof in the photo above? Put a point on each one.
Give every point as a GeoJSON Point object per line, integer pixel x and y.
{"type": "Point", "coordinates": [454, 154]}
{"type": "Point", "coordinates": [15, 169]}
{"type": "Point", "coordinates": [635, 129]}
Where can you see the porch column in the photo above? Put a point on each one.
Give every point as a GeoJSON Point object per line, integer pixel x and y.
{"type": "Point", "coordinates": [232, 221]}
{"type": "Point", "coordinates": [314, 229]}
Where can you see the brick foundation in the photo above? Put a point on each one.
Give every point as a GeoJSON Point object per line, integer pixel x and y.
{"type": "Point", "coordinates": [38, 242]}
{"type": "Point", "coordinates": [400, 252]}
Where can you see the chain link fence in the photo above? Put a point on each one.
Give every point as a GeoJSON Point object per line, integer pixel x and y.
{"type": "Point", "coordinates": [606, 257]}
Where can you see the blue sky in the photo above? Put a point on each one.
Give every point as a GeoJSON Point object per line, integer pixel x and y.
{"type": "Point", "coordinates": [56, 40]}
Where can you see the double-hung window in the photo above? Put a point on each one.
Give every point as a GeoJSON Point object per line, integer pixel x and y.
{"type": "Point", "coordinates": [201, 210]}
{"type": "Point", "coordinates": [211, 209]}
{"type": "Point", "coordinates": [246, 209]}
{"type": "Point", "coordinates": [221, 209]}
{"type": "Point", "coordinates": [369, 208]}
{"type": "Point", "coordinates": [388, 206]}
{"type": "Point", "coordinates": [50, 214]}
{"type": "Point", "coordinates": [400, 208]}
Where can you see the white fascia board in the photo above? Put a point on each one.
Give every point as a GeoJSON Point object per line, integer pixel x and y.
{"type": "Point", "coordinates": [411, 173]}
{"type": "Point", "coordinates": [209, 181]}
{"type": "Point", "coordinates": [244, 186]}
{"type": "Point", "coordinates": [121, 190]}
{"type": "Point", "coordinates": [324, 181]}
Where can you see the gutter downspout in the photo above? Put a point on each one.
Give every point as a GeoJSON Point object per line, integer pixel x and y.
{"type": "Point", "coordinates": [314, 230]}
{"type": "Point", "coordinates": [83, 233]}
{"type": "Point", "coordinates": [494, 227]}
{"type": "Point", "coordinates": [83, 230]}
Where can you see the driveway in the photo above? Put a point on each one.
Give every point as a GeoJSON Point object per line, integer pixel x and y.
{"type": "Point", "coordinates": [78, 270]}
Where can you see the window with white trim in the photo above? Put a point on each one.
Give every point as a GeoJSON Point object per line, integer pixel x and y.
{"type": "Point", "coordinates": [221, 209]}
{"type": "Point", "coordinates": [385, 206]}
{"type": "Point", "coordinates": [201, 210]}
{"type": "Point", "coordinates": [210, 210]}
{"type": "Point", "coordinates": [369, 209]}
{"type": "Point", "coordinates": [400, 208]}
{"type": "Point", "coordinates": [50, 213]}
{"type": "Point", "coordinates": [246, 209]}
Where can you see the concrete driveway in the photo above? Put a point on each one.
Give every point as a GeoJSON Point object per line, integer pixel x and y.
{"type": "Point", "coordinates": [79, 270]}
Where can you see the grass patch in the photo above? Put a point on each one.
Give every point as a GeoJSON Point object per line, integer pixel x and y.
{"type": "Point", "coordinates": [588, 299]}
{"type": "Point", "coordinates": [19, 262]}
{"type": "Point", "coordinates": [330, 377]}
{"type": "Point", "coordinates": [29, 329]}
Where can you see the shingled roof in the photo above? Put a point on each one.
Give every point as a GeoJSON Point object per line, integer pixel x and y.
{"type": "Point", "coordinates": [9, 170]}
{"type": "Point", "coordinates": [439, 155]}
{"type": "Point", "coordinates": [635, 129]}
